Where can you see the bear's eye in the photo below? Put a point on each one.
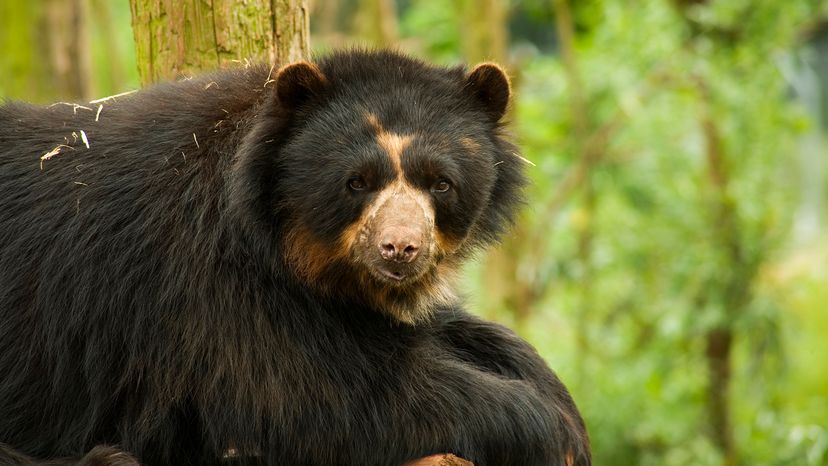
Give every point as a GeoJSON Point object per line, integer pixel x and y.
{"type": "Point", "coordinates": [357, 184]}
{"type": "Point", "coordinates": [441, 186]}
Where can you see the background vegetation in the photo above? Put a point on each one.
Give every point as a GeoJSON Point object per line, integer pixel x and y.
{"type": "Point", "coordinates": [672, 261]}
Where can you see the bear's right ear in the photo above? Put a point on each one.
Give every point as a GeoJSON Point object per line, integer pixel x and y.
{"type": "Point", "coordinates": [490, 85]}
{"type": "Point", "coordinates": [298, 82]}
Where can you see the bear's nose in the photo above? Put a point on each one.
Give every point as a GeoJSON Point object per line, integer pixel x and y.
{"type": "Point", "coordinates": [399, 244]}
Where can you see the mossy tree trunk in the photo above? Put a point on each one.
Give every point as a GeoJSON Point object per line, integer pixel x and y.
{"type": "Point", "coordinates": [175, 39]}
{"type": "Point", "coordinates": [114, 76]}
{"type": "Point", "coordinates": [44, 50]}
{"type": "Point", "coordinates": [376, 22]}
{"type": "Point", "coordinates": [485, 37]}
{"type": "Point", "coordinates": [66, 33]}
{"type": "Point", "coordinates": [485, 33]}
{"type": "Point", "coordinates": [734, 292]}
{"type": "Point", "coordinates": [581, 130]}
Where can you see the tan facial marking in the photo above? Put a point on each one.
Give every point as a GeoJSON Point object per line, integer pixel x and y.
{"type": "Point", "coordinates": [308, 255]}
{"type": "Point", "coordinates": [470, 144]}
{"type": "Point", "coordinates": [402, 195]}
{"type": "Point", "coordinates": [398, 192]}
{"type": "Point", "coordinates": [401, 204]}
{"type": "Point", "coordinates": [446, 244]}
{"type": "Point", "coordinates": [392, 143]}
{"type": "Point", "coordinates": [398, 204]}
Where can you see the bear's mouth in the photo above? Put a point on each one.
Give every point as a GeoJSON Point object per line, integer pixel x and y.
{"type": "Point", "coordinates": [389, 274]}
{"type": "Point", "coordinates": [392, 274]}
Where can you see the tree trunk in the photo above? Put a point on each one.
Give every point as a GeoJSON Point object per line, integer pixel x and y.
{"type": "Point", "coordinates": [17, 37]}
{"type": "Point", "coordinates": [114, 78]}
{"type": "Point", "coordinates": [735, 285]}
{"type": "Point", "coordinates": [565, 26]}
{"type": "Point", "coordinates": [513, 273]}
{"type": "Point", "coordinates": [326, 14]}
{"type": "Point", "coordinates": [484, 36]}
{"type": "Point", "coordinates": [179, 38]}
{"type": "Point", "coordinates": [45, 50]}
{"type": "Point", "coordinates": [376, 22]}
{"type": "Point", "coordinates": [485, 33]}
{"type": "Point", "coordinates": [68, 47]}
{"type": "Point", "coordinates": [718, 349]}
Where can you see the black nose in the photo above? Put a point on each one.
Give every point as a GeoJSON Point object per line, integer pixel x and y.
{"type": "Point", "coordinates": [399, 244]}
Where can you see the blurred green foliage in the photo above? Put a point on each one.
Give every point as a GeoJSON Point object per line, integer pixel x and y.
{"type": "Point", "coordinates": [631, 269]}
{"type": "Point", "coordinates": [658, 276]}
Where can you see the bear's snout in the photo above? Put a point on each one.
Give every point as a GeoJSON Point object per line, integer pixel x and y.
{"type": "Point", "coordinates": [399, 244]}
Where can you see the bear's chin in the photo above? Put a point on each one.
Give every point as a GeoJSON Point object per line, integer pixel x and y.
{"type": "Point", "coordinates": [411, 299]}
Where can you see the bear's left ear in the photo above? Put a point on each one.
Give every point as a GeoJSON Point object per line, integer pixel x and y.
{"type": "Point", "coordinates": [297, 82]}
{"type": "Point", "coordinates": [490, 85]}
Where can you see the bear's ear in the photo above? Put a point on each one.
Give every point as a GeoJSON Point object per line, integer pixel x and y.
{"type": "Point", "coordinates": [298, 82]}
{"type": "Point", "coordinates": [490, 85]}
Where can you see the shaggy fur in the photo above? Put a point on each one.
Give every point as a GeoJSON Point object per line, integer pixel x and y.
{"type": "Point", "coordinates": [98, 456]}
{"type": "Point", "coordinates": [149, 299]}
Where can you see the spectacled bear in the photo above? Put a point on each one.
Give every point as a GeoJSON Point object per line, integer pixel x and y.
{"type": "Point", "coordinates": [257, 264]}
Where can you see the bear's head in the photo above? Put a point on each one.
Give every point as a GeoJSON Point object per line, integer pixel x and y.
{"type": "Point", "coordinates": [383, 173]}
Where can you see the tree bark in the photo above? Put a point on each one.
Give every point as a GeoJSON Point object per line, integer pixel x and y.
{"type": "Point", "coordinates": [485, 33]}
{"type": "Point", "coordinates": [176, 39]}
{"type": "Point", "coordinates": [735, 286]}
{"type": "Point", "coordinates": [718, 353]}
{"type": "Point", "coordinates": [513, 272]}
{"type": "Point", "coordinates": [565, 26]}
{"type": "Point", "coordinates": [484, 37]}
{"type": "Point", "coordinates": [45, 50]}
{"type": "Point", "coordinates": [326, 15]}
{"type": "Point", "coordinates": [102, 18]}
{"type": "Point", "coordinates": [376, 22]}
{"type": "Point", "coordinates": [66, 34]}
{"type": "Point", "coordinates": [17, 37]}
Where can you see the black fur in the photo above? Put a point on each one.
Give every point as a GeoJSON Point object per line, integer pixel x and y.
{"type": "Point", "coordinates": [145, 299]}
